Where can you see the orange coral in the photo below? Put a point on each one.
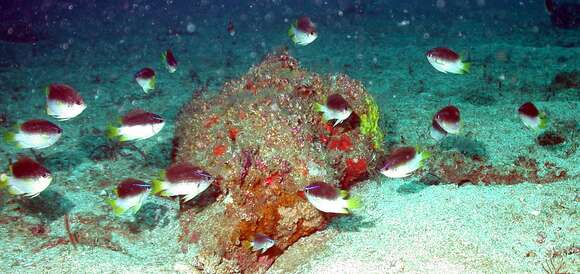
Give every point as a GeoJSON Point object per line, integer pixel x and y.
{"type": "Point", "coordinates": [251, 86]}
{"type": "Point", "coordinates": [219, 150]}
{"type": "Point", "coordinates": [355, 171]}
{"type": "Point", "coordinates": [233, 133]}
{"type": "Point", "coordinates": [211, 121]}
{"type": "Point", "coordinates": [343, 143]}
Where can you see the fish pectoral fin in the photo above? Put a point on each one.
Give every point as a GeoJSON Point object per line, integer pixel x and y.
{"type": "Point", "coordinates": [32, 195]}
{"type": "Point", "coordinates": [14, 191]}
{"type": "Point", "coordinates": [188, 197]}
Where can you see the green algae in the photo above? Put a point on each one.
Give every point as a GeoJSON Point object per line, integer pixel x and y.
{"type": "Point", "coordinates": [370, 123]}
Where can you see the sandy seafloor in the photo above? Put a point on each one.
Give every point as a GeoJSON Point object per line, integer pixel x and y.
{"type": "Point", "coordinates": [404, 226]}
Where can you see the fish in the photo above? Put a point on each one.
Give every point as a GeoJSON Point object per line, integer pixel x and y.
{"type": "Point", "coordinates": [136, 125]}
{"type": "Point", "coordinates": [231, 29]}
{"type": "Point", "coordinates": [35, 133]}
{"type": "Point", "coordinates": [169, 60]}
{"type": "Point", "coordinates": [130, 196]}
{"type": "Point", "coordinates": [303, 31]}
{"type": "Point", "coordinates": [446, 121]}
{"type": "Point", "coordinates": [447, 61]}
{"type": "Point", "coordinates": [532, 117]}
{"type": "Point", "coordinates": [146, 79]}
{"type": "Point", "coordinates": [327, 198]}
{"type": "Point", "coordinates": [27, 178]}
{"type": "Point", "coordinates": [336, 108]}
{"type": "Point", "coordinates": [182, 179]}
{"type": "Point", "coordinates": [261, 242]}
{"type": "Point", "coordinates": [403, 161]}
{"type": "Point", "coordinates": [565, 15]}
{"type": "Point", "coordinates": [437, 132]}
{"type": "Point", "coordinates": [63, 102]}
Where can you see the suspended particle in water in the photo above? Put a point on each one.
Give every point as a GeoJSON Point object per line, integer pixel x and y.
{"type": "Point", "coordinates": [191, 27]}
{"type": "Point", "coordinates": [426, 35]}
{"type": "Point", "coordinates": [440, 4]}
{"type": "Point", "coordinates": [269, 17]}
{"type": "Point", "coordinates": [340, 13]}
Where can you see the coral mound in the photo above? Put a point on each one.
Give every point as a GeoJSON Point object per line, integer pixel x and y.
{"type": "Point", "coordinates": [264, 141]}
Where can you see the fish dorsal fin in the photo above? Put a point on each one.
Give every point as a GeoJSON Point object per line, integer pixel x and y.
{"type": "Point", "coordinates": [135, 112]}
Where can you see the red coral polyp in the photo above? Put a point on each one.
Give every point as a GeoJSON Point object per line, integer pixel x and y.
{"type": "Point", "coordinates": [355, 171]}
{"type": "Point", "coordinates": [342, 143]}
{"type": "Point", "coordinates": [251, 86]}
{"type": "Point", "coordinates": [219, 150]}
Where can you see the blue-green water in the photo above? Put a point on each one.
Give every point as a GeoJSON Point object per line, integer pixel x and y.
{"type": "Point", "coordinates": [404, 225]}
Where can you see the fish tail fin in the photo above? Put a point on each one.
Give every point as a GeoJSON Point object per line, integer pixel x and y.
{"type": "Point", "coordinates": [543, 120]}
{"type": "Point", "coordinates": [423, 155]}
{"type": "Point", "coordinates": [10, 137]}
{"type": "Point", "coordinates": [157, 186]}
{"type": "Point", "coordinates": [353, 203]}
{"type": "Point", "coordinates": [465, 67]}
{"type": "Point", "coordinates": [426, 154]}
{"type": "Point", "coordinates": [319, 107]}
{"type": "Point", "coordinates": [112, 132]}
{"type": "Point", "coordinates": [322, 108]}
{"type": "Point", "coordinates": [291, 34]}
{"type": "Point", "coordinates": [247, 244]}
{"type": "Point", "coordinates": [116, 208]}
{"type": "Point", "coordinates": [164, 58]}
{"type": "Point", "coordinates": [3, 180]}
{"type": "Point", "coordinates": [152, 83]}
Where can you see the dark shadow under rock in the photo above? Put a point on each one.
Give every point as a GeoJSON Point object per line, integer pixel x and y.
{"type": "Point", "coordinates": [48, 206]}
{"type": "Point", "coordinates": [411, 187]}
{"type": "Point", "coordinates": [466, 146]}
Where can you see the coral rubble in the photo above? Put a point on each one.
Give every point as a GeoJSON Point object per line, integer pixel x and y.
{"type": "Point", "coordinates": [263, 140]}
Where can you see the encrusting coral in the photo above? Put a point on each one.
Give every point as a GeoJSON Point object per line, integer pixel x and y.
{"type": "Point", "coordinates": [263, 140]}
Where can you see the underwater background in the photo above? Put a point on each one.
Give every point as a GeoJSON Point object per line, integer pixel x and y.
{"type": "Point", "coordinates": [496, 198]}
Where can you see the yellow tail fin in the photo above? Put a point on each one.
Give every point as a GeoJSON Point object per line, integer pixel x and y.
{"type": "Point", "coordinates": [116, 209]}
{"type": "Point", "coordinates": [543, 120]}
{"type": "Point", "coordinates": [157, 186]}
{"type": "Point", "coordinates": [3, 180]}
{"type": "Point", "coordinates": [247, 244]}
{"type": "Point", "coordinates": [465, 68]}
{"type": "Point", "coordinates": [10, 137]}
{"type": "Point", "coordinates": [112, 132]}
{"type": "Point", "coordinates": [353, 203]}
{"type": "Point", "coordinates": [152, 83]}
